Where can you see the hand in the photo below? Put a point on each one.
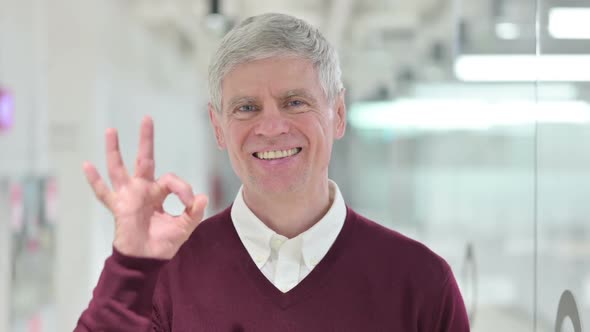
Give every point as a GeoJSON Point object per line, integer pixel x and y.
{"type": "Point", "coordinates": [142, 227]}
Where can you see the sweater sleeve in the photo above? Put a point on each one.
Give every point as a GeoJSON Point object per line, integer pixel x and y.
{"type": "Point", "coordinates": [122, 299]}
{"type": "Point", "coordinates": [446, 307]}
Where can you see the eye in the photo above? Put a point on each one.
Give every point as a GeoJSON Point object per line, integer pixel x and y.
{"type": "Point", "coordinates": [246, 108]}
{"type": "Point", "coordinates": [296, 103]}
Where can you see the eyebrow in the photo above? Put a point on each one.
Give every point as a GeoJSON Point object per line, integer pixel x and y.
{"type": "Point", "coordinates": [287, 94]}
{"type": "Point", "coordinates": [299, 93]}
{"type": "Point", "coordinates": [238, 100]}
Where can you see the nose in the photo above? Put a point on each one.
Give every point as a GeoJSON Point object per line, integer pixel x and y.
{"type": "Point", "coordinates": [271, 122]}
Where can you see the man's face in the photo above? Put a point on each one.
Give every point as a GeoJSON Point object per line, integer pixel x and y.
{"type": "Point", "coordinates": [277, 125]}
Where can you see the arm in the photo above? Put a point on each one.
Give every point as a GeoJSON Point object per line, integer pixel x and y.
{"type": "Point", "coordinates": [146, 237]}
{"type": "Point", "coordinates": [446, 308]}
{"type": "Point", "coordinates": [122, 299]}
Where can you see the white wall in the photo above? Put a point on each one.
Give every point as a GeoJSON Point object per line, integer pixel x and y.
{"type": "Point", "coordinates": [5, 254]}
{"type": "Point", "coordinates": [21, 59]}
{"type": "Point", "coordinates": [76, 68]}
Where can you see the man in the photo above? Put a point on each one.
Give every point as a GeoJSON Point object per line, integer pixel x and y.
{"type": "Point", "coordinates": [288, 255]}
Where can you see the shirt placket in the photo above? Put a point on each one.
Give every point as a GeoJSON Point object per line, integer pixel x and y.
{"type": "Point", "coordinates": [287, 265]}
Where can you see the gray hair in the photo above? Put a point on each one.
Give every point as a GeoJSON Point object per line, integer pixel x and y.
{"type": "Point", "coordinates": [268, 35]}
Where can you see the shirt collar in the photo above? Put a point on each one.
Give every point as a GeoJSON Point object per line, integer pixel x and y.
{"type": "Point", "coordinates": [255, 235]}
{"type": "Point", "coordinates": [315, 242]}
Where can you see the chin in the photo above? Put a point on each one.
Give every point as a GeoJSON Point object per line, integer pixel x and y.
{"type": "Point", "coordinates": [276, 186]}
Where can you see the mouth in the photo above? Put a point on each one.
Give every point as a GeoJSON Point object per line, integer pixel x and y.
{"type": "Point", "coordinates": [276, 154]}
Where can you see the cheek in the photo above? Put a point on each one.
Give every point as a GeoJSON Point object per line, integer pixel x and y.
{"type": "Point", "coordinates": [319, 137]}
{"type": "Point", "coordinates": [236, 138]}
{"type": "Point", "coordinates": [315, 122]}
{"type": "Point", "coordinates": [323, 132]}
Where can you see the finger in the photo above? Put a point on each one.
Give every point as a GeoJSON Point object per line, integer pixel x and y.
{"type": "Point", "coordinates": [144, 163]}
{"type": "Point", "coordinates": [146, 139]}
{"type": "Point", "coordinates": [197, 210]}
{"type": "Point", "coordinates": [145, 169]}
{"type": "Point", "coordinates": [117, 172]}
{"type": "Point", "coordinates": [100, 189]}
{"type": "Point", "coordinates": [170, 183]}
{"type": "Point", "coordinates": [193, 215]}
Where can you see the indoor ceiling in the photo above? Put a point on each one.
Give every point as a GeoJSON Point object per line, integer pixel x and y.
{"type": "Point", "coordinates": [385, 45]}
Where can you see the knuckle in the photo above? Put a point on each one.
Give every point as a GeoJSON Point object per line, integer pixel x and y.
{"type": "Point", "coordinates": [186, 187]}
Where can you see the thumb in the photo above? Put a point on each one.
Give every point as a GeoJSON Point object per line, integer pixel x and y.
{"type": "Point", "coordinates": [197, 210]}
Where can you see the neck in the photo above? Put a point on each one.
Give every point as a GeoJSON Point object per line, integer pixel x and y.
{"type": "Point", "coordinates": [292, 213]}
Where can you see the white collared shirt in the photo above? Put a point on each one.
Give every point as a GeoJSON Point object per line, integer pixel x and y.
{"type": "Point", "coordinates": [285, 262]}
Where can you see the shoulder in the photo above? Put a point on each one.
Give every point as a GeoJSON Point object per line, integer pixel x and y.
{"type": "Point", "coordinates": [388, 249]}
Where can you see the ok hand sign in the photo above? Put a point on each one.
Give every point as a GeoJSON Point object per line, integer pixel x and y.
{"type": "Point", "coordinates": [142, 227]}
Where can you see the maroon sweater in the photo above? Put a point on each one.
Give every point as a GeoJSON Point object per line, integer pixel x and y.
{"type": "Point", "coordinates": [371, 279]}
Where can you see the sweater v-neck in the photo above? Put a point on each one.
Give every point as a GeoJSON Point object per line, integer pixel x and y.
{"type": "Point", "coordinates": [311, 284]}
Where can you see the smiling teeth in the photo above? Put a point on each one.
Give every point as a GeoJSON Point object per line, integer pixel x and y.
{"type": "Point", "coordinates": [270, 155]}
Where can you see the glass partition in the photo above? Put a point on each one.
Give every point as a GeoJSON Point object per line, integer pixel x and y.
{"type": "Point", "coordinates": [443, 147]}
{"type": "Point", "coordinates": [563, 171]}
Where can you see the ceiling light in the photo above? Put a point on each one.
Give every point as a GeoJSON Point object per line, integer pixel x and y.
{"type": "Point", "coordinates": [569, 23]}
{"type": "Point", "coordinates": [492, 91]}
{"type": "Point", "coordinates": [507, 30]}
{"type": "Point", "coordinates": [523, 68]}
{"type": "Point", "coordinates": [463, 114]}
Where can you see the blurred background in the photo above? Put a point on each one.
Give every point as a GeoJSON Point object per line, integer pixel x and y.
{"type": "Point", "coordinates": [469, 130]}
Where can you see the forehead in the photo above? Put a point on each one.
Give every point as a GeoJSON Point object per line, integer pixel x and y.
{"type": "Point", "coordinates": [274, 76]}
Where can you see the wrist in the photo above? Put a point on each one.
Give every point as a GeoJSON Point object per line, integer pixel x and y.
{"type": "Point", "coordinates": [136, 261]}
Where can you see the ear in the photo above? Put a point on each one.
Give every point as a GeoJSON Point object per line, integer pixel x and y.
{"type": "Point", "coordinates": [214, 116]}
{"type": "Point", "coordinates": [340, 118]}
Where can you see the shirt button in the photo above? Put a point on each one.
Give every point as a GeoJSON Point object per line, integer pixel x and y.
{"type": "Point", "coordinates": [276, 242]}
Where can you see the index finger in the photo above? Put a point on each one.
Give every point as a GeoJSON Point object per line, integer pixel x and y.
{"type": "Point", "coordinates": [170, 183]}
